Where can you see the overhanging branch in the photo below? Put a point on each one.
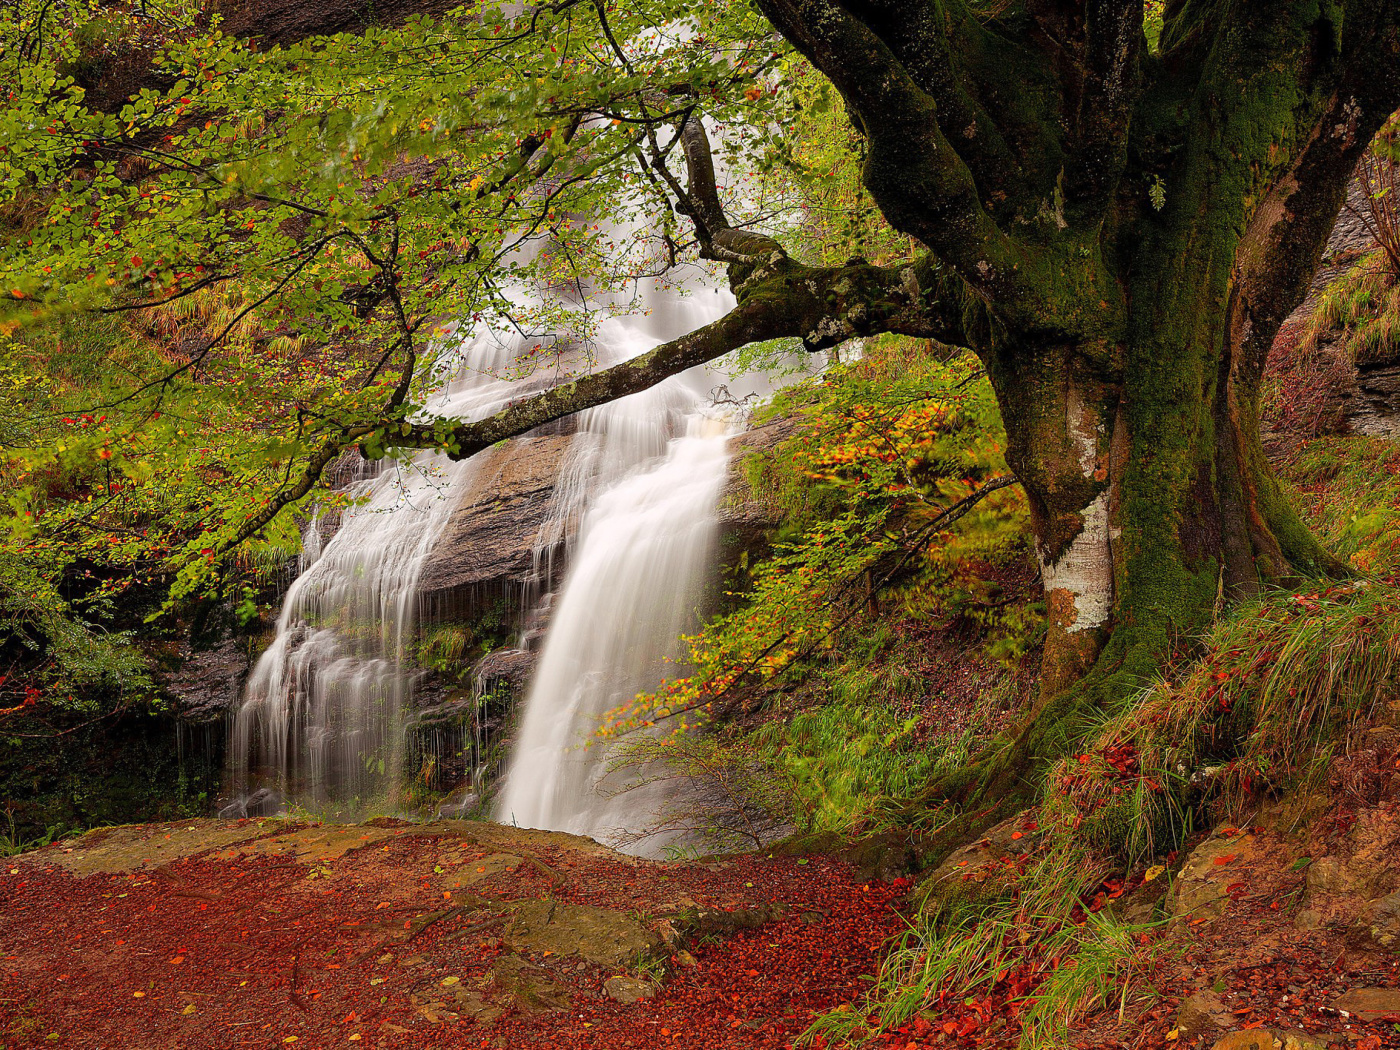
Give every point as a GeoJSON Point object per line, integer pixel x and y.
{"type": "Point", "coordinates": [779, 299]}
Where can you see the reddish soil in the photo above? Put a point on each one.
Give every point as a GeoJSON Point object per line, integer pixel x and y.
{"type": "Point", "coordinates": [232, 947]}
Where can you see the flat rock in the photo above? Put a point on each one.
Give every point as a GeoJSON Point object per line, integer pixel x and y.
{"type": "Point", "coordinates": [122, 849]}
{"type": "Point", "coordinates": [530, 986]}
{"type": "Point", "coordinates": [1274, 1039]}
{"type": "Point", "coordinates": [1254, 1039]}
{"type": "Point", "coordinates": [628, 989]}
{"type": "Point", "coordinates": [606, 938]}
{"type": "Point", "coordinates": [1370, 1004]}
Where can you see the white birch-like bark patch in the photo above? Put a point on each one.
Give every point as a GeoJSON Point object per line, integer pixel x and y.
{"type": "Point", "coordinates": [1085, 571]}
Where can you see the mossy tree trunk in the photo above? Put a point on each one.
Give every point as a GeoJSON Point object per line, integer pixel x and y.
{"type": "Point", "coordinates": [1128, 229]}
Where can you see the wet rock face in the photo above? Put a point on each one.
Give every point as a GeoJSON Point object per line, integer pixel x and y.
{"type": "Point", "coordinates": [208, 683]}
{"type": "Point", "coordinates": [745, 521]}
{"type": "Point", "coordinates": [506, 669]}
{"type": "Point", "coordinates": [487, 548]}
{"type": "Point", "coordinates": [1373, 407]}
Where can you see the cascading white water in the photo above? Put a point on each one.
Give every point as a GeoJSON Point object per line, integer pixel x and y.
{"type": "Point", "coordinates": [635, 505]}
{"type": "Point", "coordinates": [631, 591]}
{"type": "Point", "coordinates": [320, 723]}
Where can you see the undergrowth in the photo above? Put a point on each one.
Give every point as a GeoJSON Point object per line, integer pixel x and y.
{"type": "Point", "coordinates": [849, 767]}
{"type": "Point", "coordinates": [1361, 310]}
{"type": "Point", "coordinates": [1281, 682]}
{"type": "Point", "coordinates": [1028, 965]}
{"type": "Point", "coordinates": [1349, 489]}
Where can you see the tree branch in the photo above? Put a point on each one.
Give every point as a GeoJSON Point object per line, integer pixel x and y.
{"type": "Point", "coordinates": [921, 183]}
{"type": "Point", "coordinates": [780, 298]}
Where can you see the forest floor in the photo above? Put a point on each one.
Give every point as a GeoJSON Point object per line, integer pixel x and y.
{"type": "Point", "coordinates": [228, 934]}
{"type": "Point", "coordinates": [233, 934]}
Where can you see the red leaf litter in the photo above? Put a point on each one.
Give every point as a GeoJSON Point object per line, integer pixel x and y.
{"type": "Point", "coordinates": [262, 942]}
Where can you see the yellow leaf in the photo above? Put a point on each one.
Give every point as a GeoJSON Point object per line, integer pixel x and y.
{"type": "Point", "coordinates": [1152, 872]}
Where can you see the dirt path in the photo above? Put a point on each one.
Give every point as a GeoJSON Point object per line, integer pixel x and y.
{"type": "Point", "coordinates": [262, 934]}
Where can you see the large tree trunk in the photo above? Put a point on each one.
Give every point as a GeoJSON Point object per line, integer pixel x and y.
{"type": "Point", "coordinates": [1060, 408]}
{"type": "Point", "coordinates": [1151, 499]}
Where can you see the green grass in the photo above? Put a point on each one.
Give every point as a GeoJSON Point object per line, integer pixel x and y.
{"type": "Point", "coordinates": [1363, 305]}
{"type": "Point", "coordinates": [1055, 964]}
{"type": "Point", "coordinates": [847, 762]}
{"type": "Point", "coordinates": [1349, 490]}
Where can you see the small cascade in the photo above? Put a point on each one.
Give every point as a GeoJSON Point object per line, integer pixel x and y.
{"type": "Point", "coordinates": [320, 723]}
{"type": "Point", "coordinates": [633, 586]}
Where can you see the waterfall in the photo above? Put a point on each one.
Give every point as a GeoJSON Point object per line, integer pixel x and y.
{"type": "Point", "coordinates": [631, 589]}
{"type": "Point", "coordinates": [634, 508]}
{"type": "Point", "coordinates": [320, 724]}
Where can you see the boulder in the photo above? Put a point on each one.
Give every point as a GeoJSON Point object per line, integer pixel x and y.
{"type": "Point", "coordinates": [1200, 889]}
{"type": "Point", "coordinates": [983, 870]}
{"type": "Point", "coordinates": [1378, 926]}
{"type": "Point", "coordinates": [1370, 1004]}
{"type": "Point", "coordinates": [1347, 886]}
{"type": "Point", "coordinates": [1203, 1013]}
{"type": "Point", "coordinates": [264, 802]}
{"type": "Point", "coordinates": [628, 989]}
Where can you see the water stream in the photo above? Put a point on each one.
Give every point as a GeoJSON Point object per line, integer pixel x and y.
{"type": "Point", "coordinates": [634, 508]}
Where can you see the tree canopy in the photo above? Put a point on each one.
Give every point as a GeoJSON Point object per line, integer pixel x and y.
{"type": "Point", "coordinates": [1114, 204]}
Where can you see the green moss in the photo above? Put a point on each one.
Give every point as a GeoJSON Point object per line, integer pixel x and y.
{"type": "Point", "coordinates": [115, 771]}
